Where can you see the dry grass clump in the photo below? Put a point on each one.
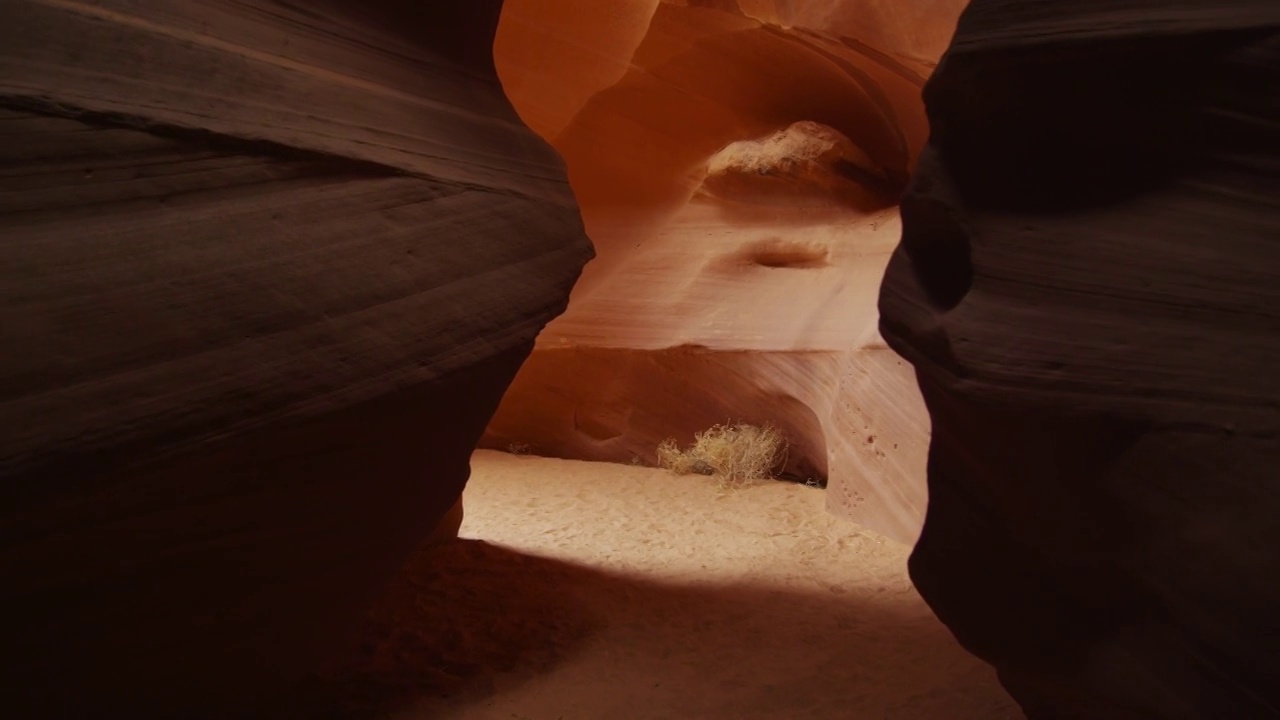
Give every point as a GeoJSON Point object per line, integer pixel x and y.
{"type": "Point", "coordinates": [733, 454]}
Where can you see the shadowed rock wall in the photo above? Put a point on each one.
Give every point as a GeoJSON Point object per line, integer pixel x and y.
{"type": "Point", "coordinates": [1088, 287]}
{"type": "Point", "coordinates": [267, 271]}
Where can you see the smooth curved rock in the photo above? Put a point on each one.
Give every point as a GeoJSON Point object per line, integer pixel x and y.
{"type": "Point", "coordinates": [1087, 286]}
{"type": "Point", "coordinates": [266, 273]}
{"type": "Point", "coordinates": [738, 166]}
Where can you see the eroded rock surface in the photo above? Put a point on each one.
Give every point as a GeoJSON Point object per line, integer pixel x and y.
{"type": "Point", "coordinates": [1088, 287]}
{"type": "Point", "coordinates": [806, 166]}
{"type": "Point", "coordinates": [738, 165]}
{"type": "Point", "coordinates": [267, 271]}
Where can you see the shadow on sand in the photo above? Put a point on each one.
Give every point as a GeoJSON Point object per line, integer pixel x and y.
{"type": "Point", "coordinates": [469, 619]}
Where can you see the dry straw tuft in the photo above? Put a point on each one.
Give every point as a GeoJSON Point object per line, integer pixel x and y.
{"type": "Point", "coordinates": [735, 454]}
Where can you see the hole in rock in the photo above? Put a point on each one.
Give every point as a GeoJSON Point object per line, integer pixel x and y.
{"type": "Point", "coordinates": [781, 254]}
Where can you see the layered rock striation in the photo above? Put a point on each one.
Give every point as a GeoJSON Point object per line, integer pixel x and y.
{"type": "Point", "coordinates": [267, 271]}
{"type": "Point", "coordinates": [738, 167]}
{"type": "Point", "coordinates": [1088, 286]}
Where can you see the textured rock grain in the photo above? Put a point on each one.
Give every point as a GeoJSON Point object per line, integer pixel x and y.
{"type": "Point", "coordinates": [266, 274]}
{"type": "Point", "coordinates": [1088, 287]}
{"type": "Point", "coordinates": [738, 165]}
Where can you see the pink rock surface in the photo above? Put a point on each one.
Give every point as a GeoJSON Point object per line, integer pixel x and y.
{"type": "Point", "coordinates": [737, 166]}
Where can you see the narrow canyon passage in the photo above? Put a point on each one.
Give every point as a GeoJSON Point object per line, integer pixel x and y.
{"type": "Point", "coordinates": [738, 168]}
{"type": "Point", "coordinates": [271, 271]}
{"type": "Point", "coordinates": [592, 590]}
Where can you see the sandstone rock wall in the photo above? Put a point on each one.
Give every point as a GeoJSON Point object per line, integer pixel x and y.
{"type": "Point", "coordinates": [267, 270]}
{"type": "Point", "coordinates": [1088, 286]}
{"type": "Point", "coordinates": [738, 166]}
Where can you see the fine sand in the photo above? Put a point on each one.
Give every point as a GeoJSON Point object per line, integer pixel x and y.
{"type": "Point", "coordinates": [589, 591]}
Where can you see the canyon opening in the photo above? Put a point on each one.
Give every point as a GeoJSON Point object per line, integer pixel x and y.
{"type": "Point", "coordinates": [639, 359]}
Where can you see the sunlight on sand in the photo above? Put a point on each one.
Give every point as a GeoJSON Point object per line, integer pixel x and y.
{"type": "Point", "coordinates": [589, 591]}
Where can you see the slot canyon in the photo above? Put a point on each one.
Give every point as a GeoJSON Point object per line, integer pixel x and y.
{"type": "Point", "coordinates": [282, 279]}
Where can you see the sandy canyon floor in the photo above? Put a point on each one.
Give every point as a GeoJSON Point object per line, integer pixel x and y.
{"type": "Point", "coordinates": [589, 591]}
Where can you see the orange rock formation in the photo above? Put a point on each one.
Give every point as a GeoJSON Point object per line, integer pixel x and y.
{"type": "Point", "coordinates": [737, 165]}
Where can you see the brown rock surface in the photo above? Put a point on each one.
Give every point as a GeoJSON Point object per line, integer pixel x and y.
{"type": "Point", "coordinates": [1088, 288]}
{"type": "Point", "coordinates": [266, 273]}
{"type": "Point", "coordinates": [737, 164]}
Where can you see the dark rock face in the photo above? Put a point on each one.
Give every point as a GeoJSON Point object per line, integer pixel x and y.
{"type": "Point", "coordinates": [1089, 288]}
{"type": "Point", "coordinates": [266, 273]}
